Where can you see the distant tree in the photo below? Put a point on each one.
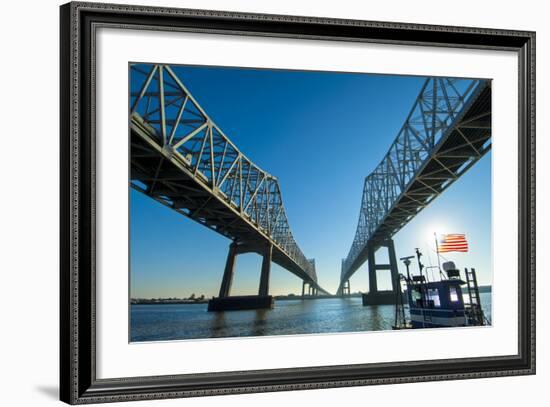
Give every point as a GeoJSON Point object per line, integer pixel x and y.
{"type": "Point", "coordinates": [192, 297]}
{"type": "Point", "coordinates": [201, 297]}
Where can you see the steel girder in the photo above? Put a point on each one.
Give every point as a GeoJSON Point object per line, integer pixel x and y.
{"type": "Point", "coordinates": [182, 159]}
{"type": "Point", "coordinates": [447, 131]}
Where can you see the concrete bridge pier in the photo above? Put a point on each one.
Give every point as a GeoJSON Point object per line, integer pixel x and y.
{"type": "Point", "coordinates": [304, 283]}
{"type": "Point", "coordinates": [263, 290]}
{"type": "Point", "coordinates": [226, 302]}
{"type": "Point", "coordinates": [346, 290]}
{"type": "Point", "coordinates": [311, 290]}
{"type": "Point", "coordinates": [229, 271]}
{"type": "Point", "coordinates": [375, 296]}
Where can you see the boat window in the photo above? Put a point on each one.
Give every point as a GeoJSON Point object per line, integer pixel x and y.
{"type": "Point", "coordinates": [416, 295]}
{"type": "Point", "coordinates": [433, 295]}
{"type": "Point", "coordinates": [454, 294]}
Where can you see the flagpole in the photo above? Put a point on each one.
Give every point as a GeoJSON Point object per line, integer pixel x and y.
{"type": "Point", "coordinates": [437, 251]}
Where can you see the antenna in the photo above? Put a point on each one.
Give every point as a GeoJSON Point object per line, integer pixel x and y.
{"type": "Point", "coordinates": [419, 255]}
{"type": "Point", "coordinates": [407, 262]}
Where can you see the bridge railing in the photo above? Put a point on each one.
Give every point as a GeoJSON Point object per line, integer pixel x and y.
{"type": "Point", "coordinates": [161, 103]}
{"type": "Point", "coordinates": [439, 103]}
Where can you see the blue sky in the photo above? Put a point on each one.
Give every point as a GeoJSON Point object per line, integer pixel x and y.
{"type": "Point", "coordinates": [320, 134]}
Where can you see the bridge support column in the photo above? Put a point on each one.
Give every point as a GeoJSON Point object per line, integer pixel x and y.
{"type": "Point", "coordinates": [346, 290]}
{"type": "Point", "coordinates": [226, 302]}
{"type": "Point", "coordinates": [266, 269]}
{"type": "Point", "coordinates": [373, 285]}
{"type": "Point", "coordinates": [303, 288]}
{"type": "Point", "coordinates": [229, 271]}
{"type": "Point", "coordinates": [375, 296]}
{"type": "Point", "coordinates": [393, 265]}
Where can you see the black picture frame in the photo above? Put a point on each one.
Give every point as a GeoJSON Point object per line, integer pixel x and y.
{"type": "Point", "coordinates": [78, 382]}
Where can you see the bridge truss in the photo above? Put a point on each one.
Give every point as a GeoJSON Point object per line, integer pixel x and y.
{"type": "Point", "coordinates": [182, 159]}
{"type": "Point", "coordinates": [446, 132]}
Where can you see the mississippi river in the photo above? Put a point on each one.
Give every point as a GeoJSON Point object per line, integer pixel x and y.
{"type": "Point", "coordinates": [162, 322]}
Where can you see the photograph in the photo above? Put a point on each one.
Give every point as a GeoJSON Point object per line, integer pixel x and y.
{"type": "Point", "coordinates": [269, 202]}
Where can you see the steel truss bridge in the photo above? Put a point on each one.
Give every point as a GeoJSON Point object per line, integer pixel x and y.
{"type": "Point", "coordinates": [446, 132]}
{"type": "Point", "coordinates": [182, 159]}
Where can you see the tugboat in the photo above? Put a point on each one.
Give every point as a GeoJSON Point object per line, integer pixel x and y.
{"type": "Point", "coordinates": [440, 302]}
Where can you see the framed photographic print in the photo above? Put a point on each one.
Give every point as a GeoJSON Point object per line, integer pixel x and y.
{"type": "Point", "coordinates": [258, 203]}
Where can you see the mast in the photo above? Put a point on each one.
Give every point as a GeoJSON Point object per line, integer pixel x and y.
{"type": "Point", "coordinates": [437, 251]}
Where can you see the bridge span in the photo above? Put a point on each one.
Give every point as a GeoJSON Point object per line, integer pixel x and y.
{"type": "Point", "coordinates": [182, 159]}
{"type": "Point", "coordinates": [446, 132]}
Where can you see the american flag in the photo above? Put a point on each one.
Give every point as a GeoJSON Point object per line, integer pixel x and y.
{"type": "Point", "coordinates": [452, 243]}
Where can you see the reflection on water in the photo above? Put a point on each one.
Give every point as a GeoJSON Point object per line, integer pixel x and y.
{"type": "Point", "coordinates": [192, 321]}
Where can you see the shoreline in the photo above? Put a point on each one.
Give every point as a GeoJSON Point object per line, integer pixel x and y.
{"type": "Point", "coordinates": [163, 301]}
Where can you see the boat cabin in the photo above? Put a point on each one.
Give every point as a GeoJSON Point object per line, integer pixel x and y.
{"type": "Point", "coordinates": [436, 304]}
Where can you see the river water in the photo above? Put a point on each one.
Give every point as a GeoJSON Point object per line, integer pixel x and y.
{"type": "Point", "coordinates": [289, 317]}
